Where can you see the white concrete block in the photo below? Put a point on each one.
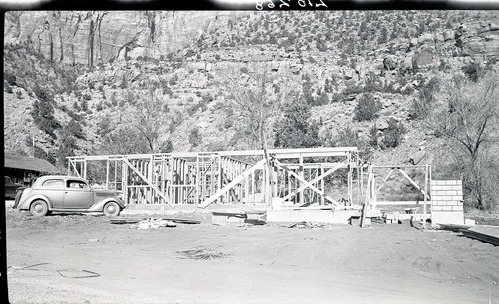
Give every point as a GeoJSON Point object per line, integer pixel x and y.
{"type": "Point", "coordinates": [447, 217]}
{"type": "Point", "coordinates": [457, 208]}
{"type": "Point", "coordinates": [451, 192]}
{"type": "Point", "coordinates": [457, 198]}
{"type": "Point", "coordinates": [446, 208]}
{"type": "Point", "coordinates": [469, 222]}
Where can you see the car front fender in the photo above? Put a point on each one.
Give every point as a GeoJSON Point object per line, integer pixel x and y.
{"type": "Point", "coordinates": [99, 206]}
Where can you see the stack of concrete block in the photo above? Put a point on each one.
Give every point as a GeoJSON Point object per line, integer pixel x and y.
{"type": "Point", "coordinates": [447, 202]}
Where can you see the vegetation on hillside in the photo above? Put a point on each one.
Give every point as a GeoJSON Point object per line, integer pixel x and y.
{"type": "Point", "coordinates": [288, 79]}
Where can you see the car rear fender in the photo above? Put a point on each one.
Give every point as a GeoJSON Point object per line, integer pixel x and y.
{"type": "Point", "coordinates": [99, 206]}
{"type": "Point", "coordinates": [25, 203]}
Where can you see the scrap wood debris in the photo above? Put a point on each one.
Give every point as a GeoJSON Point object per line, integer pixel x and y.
{"type": "Point", "coordinates": [135, 220]}
{"type": "Point", "coordinates": [202, 253]}
{"type": "Point", "coordinates": [313, 225]}
{"type": "Point", "coordinates": [153, 224]}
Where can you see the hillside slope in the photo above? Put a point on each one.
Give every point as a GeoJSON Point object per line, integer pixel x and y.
{"type": "Point", "coordinates": [171, 71]}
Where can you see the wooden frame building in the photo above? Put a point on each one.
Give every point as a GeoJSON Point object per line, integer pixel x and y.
{"type": "Point", "coordinates": [294, 177]}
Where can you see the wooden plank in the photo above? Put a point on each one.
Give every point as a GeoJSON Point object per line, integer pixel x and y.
{"type": "Point", "coordinates": [148, 182]}
{"type": "Point", "coordinates": [234, 182]}
{"type": "Point", "coordinates": [414, 183]}
{"type": "Point", "coordinates": [309, 184]}
{"type": "Point", "coordinates": [132, 220]}
{"type": "Point", "coordinates": [330, 171]}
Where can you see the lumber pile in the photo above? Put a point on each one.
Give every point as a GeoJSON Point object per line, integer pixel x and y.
{"type": "Point", "coordinates": [488, 234]}
{"type": "Point", "coordinates": [135, 220]}
{"type": "Point", "coordinates": [246, 217]}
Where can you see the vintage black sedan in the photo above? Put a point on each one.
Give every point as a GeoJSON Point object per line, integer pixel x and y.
{"type": "Point", "coordinates": [54, 193]}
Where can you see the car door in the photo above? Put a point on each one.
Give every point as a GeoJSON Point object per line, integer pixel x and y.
{"type": "Point", "coordinates": [78, 195]}
{"type": "Point", "coordinates": [53, 189]}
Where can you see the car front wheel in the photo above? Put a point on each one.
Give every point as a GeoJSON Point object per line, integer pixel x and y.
{"type": "Point", "coordinates": [39, 208]}
{"type": "Point", "coordinates": [111, 209]}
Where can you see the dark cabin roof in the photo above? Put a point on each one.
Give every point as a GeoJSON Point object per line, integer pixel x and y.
{"type": "Point", "coordinates": [29, 163]}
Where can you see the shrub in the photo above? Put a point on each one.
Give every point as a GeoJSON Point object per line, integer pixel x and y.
{"type": "Point", "coordinates": [10, 78]}
{"type": "Point", "coordinates": [373, 136]}
{"type": "Point", "coordinates": [195, 137]}
{"type": "Point", "coordinates": [366, 108]}
{"type": "Point", "coordinates": [422, 105]}
{"type": "Point", "coordinates": [393, 135]}
{"type": "Point", "coordinates": [473, 71]}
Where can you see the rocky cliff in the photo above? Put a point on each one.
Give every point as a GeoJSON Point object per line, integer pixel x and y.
{"type": "Point", "coordinates": [99, 65]}
{"type": "Point", "coordinates": [91, 38]}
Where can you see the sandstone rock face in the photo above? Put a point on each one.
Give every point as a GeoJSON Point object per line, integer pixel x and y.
{"type": "Point", "coordinates": [424, 57]}
{"type": "Point", "coordinates": [478, 39]}
{"type": "Point", "coordinates": [390, 63]}
{"type": "Point", "coordinates": [90, 37]}
{"type": "Point", "coordinates": [426, 38]}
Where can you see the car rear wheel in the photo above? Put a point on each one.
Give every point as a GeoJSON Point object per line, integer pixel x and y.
{"type": "Point", "coordinates": [111, 209]}
{"type": "Point", "coordinates": [39, 208]}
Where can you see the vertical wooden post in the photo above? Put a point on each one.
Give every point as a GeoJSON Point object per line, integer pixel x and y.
{"type": "Point", "coordinates": [124, 182]}
{"type": "Point", "coordinates": [219, 176]}
{"type": "Point", "coordinates": [425, 196]}
{"type": "Point", "coordinates": [85, 169]}
{"type": "Point", "coordinates": [322, 186]}
{"type": "Point", "coordinates": [301, 174]}
{"type": "Point", "coordinates": [198, 197]}
{"type": "Point", "coordinates": [253, 186]}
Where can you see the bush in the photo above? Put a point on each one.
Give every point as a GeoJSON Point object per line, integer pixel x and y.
{"type": "Point", "coordinates": [473, 71]}
{"type": "Point", "coordinates": [195, 137]}
{"type": "Point", "coordinates": [373, 136]}
{"type": "Point", "coordinates": [10, 78]}
{"type": "Point", "coordinates": [366, 108]}
{"type": "Point", "coordinates": [393, 135]}
{"type": "Point", "coordinates": [422, 105]}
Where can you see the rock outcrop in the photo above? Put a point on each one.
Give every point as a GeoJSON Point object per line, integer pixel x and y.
{"type": "Point", "coordinates": [96, 37]}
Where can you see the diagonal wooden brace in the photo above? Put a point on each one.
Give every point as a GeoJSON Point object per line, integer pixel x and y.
{"type": "Point", "coordinates": [307, 184]}
{"type": "Point", "coordinates": [414, 183]}
{"type": "Point", "coordinates": [149, 183]}
{"type": "Point", "coordinates": [318, 178]}
{"type": "Point", "coordinates": [231, 185]}
{"type": "Point", "coordinates": [383, 183]}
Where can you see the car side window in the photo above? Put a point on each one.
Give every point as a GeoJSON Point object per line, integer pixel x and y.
{"type": "Point", "coordinates": [77, 184]}
{"type": "Point", "coordinates": [53, 183]}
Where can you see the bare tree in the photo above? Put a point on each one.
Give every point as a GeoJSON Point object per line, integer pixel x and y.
{"type": "Point", "coordinates": [255, 104]}
{"type": "Point", "coordinates": [150, 116]}
{"type": "Point", "coordinates": [469, 122]}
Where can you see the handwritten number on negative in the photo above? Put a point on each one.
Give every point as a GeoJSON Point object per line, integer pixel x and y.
{"type": "Point", "coordinates": [284, 3]}
{"type": "Point", "coordinates": [320, 4]}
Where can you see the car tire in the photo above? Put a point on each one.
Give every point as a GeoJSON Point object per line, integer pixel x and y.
{"type": "Point", "coordinates": [39, 208]}
{"type": "Point", "coordinates": [111, 209]}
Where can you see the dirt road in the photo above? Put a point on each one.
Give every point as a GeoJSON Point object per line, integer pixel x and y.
{"type": "Point", "coordinates": [85, 259]}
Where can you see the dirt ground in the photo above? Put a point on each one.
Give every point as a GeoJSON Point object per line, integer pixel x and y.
{"type": "Point", "coordinates": [86, 259]}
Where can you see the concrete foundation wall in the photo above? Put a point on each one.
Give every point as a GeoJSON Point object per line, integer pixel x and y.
{"type": "Point", "coordinates": [303, 215]}
{"type": "Point", "coordinates": [447, 202]}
